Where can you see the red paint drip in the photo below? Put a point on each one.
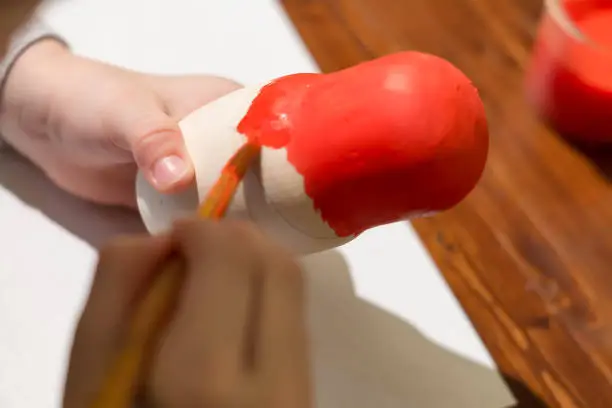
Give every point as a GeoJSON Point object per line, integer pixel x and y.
{"type": "Point", "coordinates": [385, 140]}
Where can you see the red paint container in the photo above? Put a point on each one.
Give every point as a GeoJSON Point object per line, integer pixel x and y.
{"type": "Point", "coordinates": [569, 80]}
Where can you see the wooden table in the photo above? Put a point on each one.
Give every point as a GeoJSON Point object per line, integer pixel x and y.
{"type": "Point", "coordinates": [529, 253]}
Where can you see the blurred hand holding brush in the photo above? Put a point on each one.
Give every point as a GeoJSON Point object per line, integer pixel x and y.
{"type": "Point", "coordinates": [210, 316]}
{"type": "Point", "coordinates": [237, 333]}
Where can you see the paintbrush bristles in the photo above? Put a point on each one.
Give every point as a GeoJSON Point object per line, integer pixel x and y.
{"type": "Point", "coordinates": [220, 195]}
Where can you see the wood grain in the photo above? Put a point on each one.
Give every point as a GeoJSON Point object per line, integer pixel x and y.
{"type": "Point", "coordinates": [529, 252]}
{"type": "Point", "coordinates": [13, 13]}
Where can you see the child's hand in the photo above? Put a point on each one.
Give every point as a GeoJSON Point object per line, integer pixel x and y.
{"type": "Point", "coordinates": [89, 125]}
{"type": "Point", "coordinates": [237, 338]}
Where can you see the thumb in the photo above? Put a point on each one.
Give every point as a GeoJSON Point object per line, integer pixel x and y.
{"type": "Point", "coordinates": [159, 151]}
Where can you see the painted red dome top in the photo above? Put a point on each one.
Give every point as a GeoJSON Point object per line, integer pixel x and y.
{"type": "Point", "coordinates": [388, 139]}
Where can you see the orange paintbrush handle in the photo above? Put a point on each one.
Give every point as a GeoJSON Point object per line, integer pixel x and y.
{"type": "Point", "coordinates": [221, 194]}
{"type": "Point", "coordinates": [122, 380]}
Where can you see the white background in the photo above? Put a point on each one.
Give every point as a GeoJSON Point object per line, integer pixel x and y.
{"type": "Point", "coordinates": [387, 331]}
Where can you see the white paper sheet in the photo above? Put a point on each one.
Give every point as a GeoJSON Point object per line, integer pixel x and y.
{"type": "Point", "coordinates": [387, 331]}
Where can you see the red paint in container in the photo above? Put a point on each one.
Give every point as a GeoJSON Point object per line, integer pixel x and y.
{"type": "Point", "coordinates": [569, 80]}
{"type": "Point", "coordinates": [389, 139]}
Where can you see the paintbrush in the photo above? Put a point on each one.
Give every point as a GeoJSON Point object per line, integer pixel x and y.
{"type": "Point", "coordinates": [121, 382]}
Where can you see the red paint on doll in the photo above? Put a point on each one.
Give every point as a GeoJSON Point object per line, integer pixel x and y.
{"type": "Point", "coordinates": [385, 140]}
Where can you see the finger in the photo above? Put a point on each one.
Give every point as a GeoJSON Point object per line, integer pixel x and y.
{"type": "Point", "coordinates": [222, 267]}
{"type": "Point", "coordinates": [124, 268]}
{"type": "Point", "coordinates": [157, 144]}
{"type": "Point", "coordinates": [112, 186]}
{"type": "Point", "coordinates": [152, 129]}
{"type": "Point", "coordinates": [207, 334]}
{"type": "Point", "coordinates": [282, 345]}
{"type": "Point", "coordinates": [184, 94]}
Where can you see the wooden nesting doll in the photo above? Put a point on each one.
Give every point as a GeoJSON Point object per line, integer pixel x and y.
{"type": "Point", "coordinates": [400, 136]}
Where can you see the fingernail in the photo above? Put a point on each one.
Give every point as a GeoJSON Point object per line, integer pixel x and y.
{"type": "Point", "coordinates": [168, 171]}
